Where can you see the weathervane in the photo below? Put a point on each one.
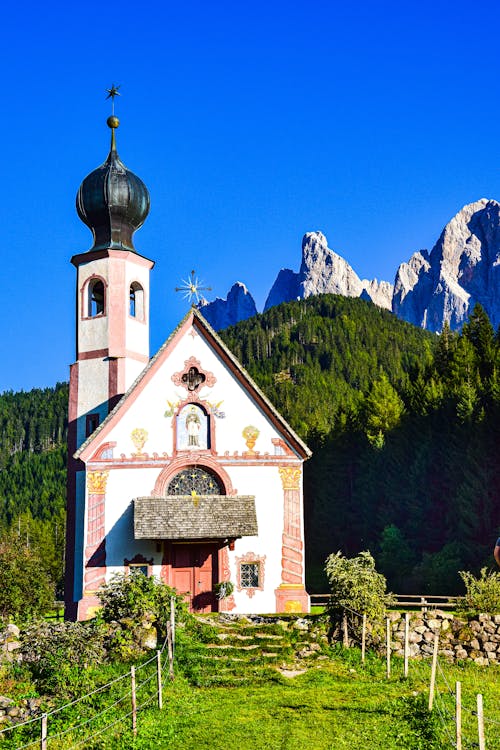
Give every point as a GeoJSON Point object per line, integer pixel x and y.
{"type": "Point", "coordinates": [112, 93]}
{"type": "Point", "coordinates": [191, 287]}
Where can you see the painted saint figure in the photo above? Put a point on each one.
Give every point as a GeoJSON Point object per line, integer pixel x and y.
{"type": "Point", "coordinates": [193, 427]}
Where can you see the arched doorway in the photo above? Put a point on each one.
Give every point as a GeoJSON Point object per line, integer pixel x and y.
{"type": "Point", "coordinates": [194, 565]}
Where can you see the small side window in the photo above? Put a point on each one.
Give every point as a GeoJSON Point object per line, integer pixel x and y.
{"type": "Point", "coordinates": [136, 302]}
{"type": "Point", "coordinates": [95, 298]}
{"type": "Point", "coordinates": [250, 575]}
{"type": "Point", "coordinates": [136, 569]}
{"type": "Point", "coordinates": [92, 423]}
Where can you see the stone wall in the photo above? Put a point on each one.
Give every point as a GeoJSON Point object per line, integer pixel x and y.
{"type": "Point", "coordinates": [470, 639]}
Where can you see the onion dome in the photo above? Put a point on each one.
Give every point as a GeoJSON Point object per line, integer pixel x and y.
{"type": "Point", "coordinates": [112, 201]}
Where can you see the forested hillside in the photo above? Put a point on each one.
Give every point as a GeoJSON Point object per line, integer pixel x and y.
{"type": "Point", "coordinates": [405, 431]}
{"type": "Point", "coordinates": [33, 473]}
{"type": "Point", "coordinates": [404, 425]}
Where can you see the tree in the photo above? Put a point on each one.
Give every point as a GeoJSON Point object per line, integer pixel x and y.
{"type": "Point", "coordinates": [26, 590]}
{"type": "Point", "coordinates": [396, 558]}
{"type": "Point", "coordinates": [383, 411]}
{"type": "Point", "coordinates": [355, 584]}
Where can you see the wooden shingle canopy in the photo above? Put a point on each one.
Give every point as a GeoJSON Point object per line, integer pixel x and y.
{"type": "Point", "coordinates": [186, 517]}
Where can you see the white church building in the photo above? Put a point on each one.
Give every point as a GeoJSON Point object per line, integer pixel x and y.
{"type": "Point", "coordinates": [179, 466]}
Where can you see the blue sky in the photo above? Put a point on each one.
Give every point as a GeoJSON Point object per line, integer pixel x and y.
{"type": "Point", "coordinates": [251, 124]}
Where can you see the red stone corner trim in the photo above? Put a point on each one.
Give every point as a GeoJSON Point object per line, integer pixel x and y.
{"type": "Point", "coordinates": [251, 557]}
{"type": "Point", "coordinates": [95, 548]}
{"type": "Point", "coordinates": [227, 604]}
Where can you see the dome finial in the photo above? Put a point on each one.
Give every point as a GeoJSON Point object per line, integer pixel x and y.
{"type": "Point", "coordinates": [112, 201]}
{"type": "Point", "coordinates": [112, 121]}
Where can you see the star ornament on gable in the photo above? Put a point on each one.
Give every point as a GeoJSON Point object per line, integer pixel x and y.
{"type": "Point", "coordinates": [191, 287]}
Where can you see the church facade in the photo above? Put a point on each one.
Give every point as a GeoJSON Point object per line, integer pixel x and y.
{"type": "Point", "coordinates": [179, 466]}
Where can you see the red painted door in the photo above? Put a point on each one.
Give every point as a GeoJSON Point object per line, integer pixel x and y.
{"type": "Point", "coordinates": [194, 574]}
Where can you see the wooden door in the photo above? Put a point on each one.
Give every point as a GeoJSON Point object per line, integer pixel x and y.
{"type": "Point", "coordinates": [194, 574]}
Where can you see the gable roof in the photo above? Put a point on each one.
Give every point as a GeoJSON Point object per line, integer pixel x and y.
{"type": "Point", "coordinates": [195, 319]}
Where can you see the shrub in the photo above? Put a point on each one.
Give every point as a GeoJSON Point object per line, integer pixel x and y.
{"type": "Point", "coordinates": [482, 594]}
{"type": "Point", "coordinates": [138, 597]}
{"type": "Point", "coordinates": [58, 654]}
{"type": "Point", "coordinates": [355, 583]}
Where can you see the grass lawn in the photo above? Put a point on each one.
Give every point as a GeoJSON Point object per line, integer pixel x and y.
{"type": "Point", "coordinates": [335, 704]}
{"type": "Point", "coordinates": [243, 700]}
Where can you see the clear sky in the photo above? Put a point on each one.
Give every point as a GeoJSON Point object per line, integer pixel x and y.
{"type": "Point", "coordinates": [251, 123]}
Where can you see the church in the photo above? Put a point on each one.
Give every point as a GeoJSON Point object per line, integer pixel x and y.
{"type": "Point", "coordinates": [179, 466]}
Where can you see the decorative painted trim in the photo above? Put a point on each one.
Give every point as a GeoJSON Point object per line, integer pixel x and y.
{"type": "Point", "coordinates": [97, 481]}
{"type": "Point", "coordinates": [290, 477]}
{"type": "Point", "coordinates": [95, 548]}
{"type": "Point", "coordinates": [193, 398]}
{"type": "Point", "coordinates": [250, 557]}
{"type": "Point", "coordinates": [181, 378]}
{"type": "Point", "coordinates": [139, 559]}
{"type": "Point", "coordinates": [292, 554]}
{"type": "Point", "coordinates": [91, 255]}
{"type": "Point", "coordinates": [227, 604]}
{"type": "Point", "coordinates": [103, 353]}
{"type": "Point", "coordinates": [193, 459]}
{"type": "Point", "coordinates": [281, 444]}
{"type": "Point", "coordinates": [98, 455]}
{"type": "Point", "coordinates": [139, 437]}
{"type": "Point", "coordinates": [194, 319]}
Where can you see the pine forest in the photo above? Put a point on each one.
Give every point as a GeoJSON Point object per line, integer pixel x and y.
{"type": "Point", "coordinates": [403, 424]}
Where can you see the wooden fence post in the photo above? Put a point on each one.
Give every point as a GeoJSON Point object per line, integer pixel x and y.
{"type": "Point", "coordinates": [458, 715]}
{"type": "Point", "coordinates": [43, 742]}
{"type": "Point", "coordinates": [160, 687]}
{"type": "Point", "coordinates": [407, 643]}
{"type": "Point", "coordinates": [388, 646]}
{"type": "Point", "coordinates": [134, 702]}
{"type": "Point", "coordinates": [363, 639]}
{"type": "Point", "coordinates": [170, 651]}
{"type": "Point", "coordinates": [345, 641]}
{"type": "Point", "coordinates": [172, 622]}
{"type": "Point", "coordinates": [433, 671]}
{"type": "Point", "coordinates": [480, 722]}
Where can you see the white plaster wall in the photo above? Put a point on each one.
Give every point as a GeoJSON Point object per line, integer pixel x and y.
{"type": "Point", "coordinates": [137, 331]}
{"type": "Point", "coordinates": [133, 369]}
{"type": "Point", "coordinates": [92, 392]}
{"type": "Point", "coordinates": [122, 487]}
{"type": "Point", "coordinates": [265, 483]}
{"type": "Point", "coordinates": [93, 332]}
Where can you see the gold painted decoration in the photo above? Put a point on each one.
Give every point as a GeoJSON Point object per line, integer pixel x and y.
{"type": "Point", "coordinates": [139, 437]}
{"type": "Point", "coordinates": [290, 477]}
{"type": "Point", "coordinates": [96, 482]}
{"type": "Point", "coordinates": [250, 433]}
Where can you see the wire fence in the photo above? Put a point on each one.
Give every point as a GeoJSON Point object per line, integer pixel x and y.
{"type": "Point", "coordinates": [463, 722]}
{"type": "Point", "coordinates": [79, 723]}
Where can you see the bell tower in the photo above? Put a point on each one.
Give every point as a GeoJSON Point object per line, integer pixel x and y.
{"type": "Point", "coordinates": [112, 292]}
{"type": "Point", "coordinates": [112, 320]}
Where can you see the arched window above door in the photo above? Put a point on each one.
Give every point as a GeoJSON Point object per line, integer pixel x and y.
{"type": "Point", "coordinates": [194, 479]}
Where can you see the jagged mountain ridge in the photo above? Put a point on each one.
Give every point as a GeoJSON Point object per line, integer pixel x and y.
{"type": "Point", "coordinates": [431, 289]}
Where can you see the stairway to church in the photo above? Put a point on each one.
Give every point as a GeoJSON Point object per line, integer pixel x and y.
{"type": "Point", "coordinates": [238, 649]}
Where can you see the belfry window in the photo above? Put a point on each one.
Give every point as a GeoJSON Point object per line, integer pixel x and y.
{"type": "Point", "coordinates": [95, 298]}
{"type": "Point", "coordinates": [136, 304]}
